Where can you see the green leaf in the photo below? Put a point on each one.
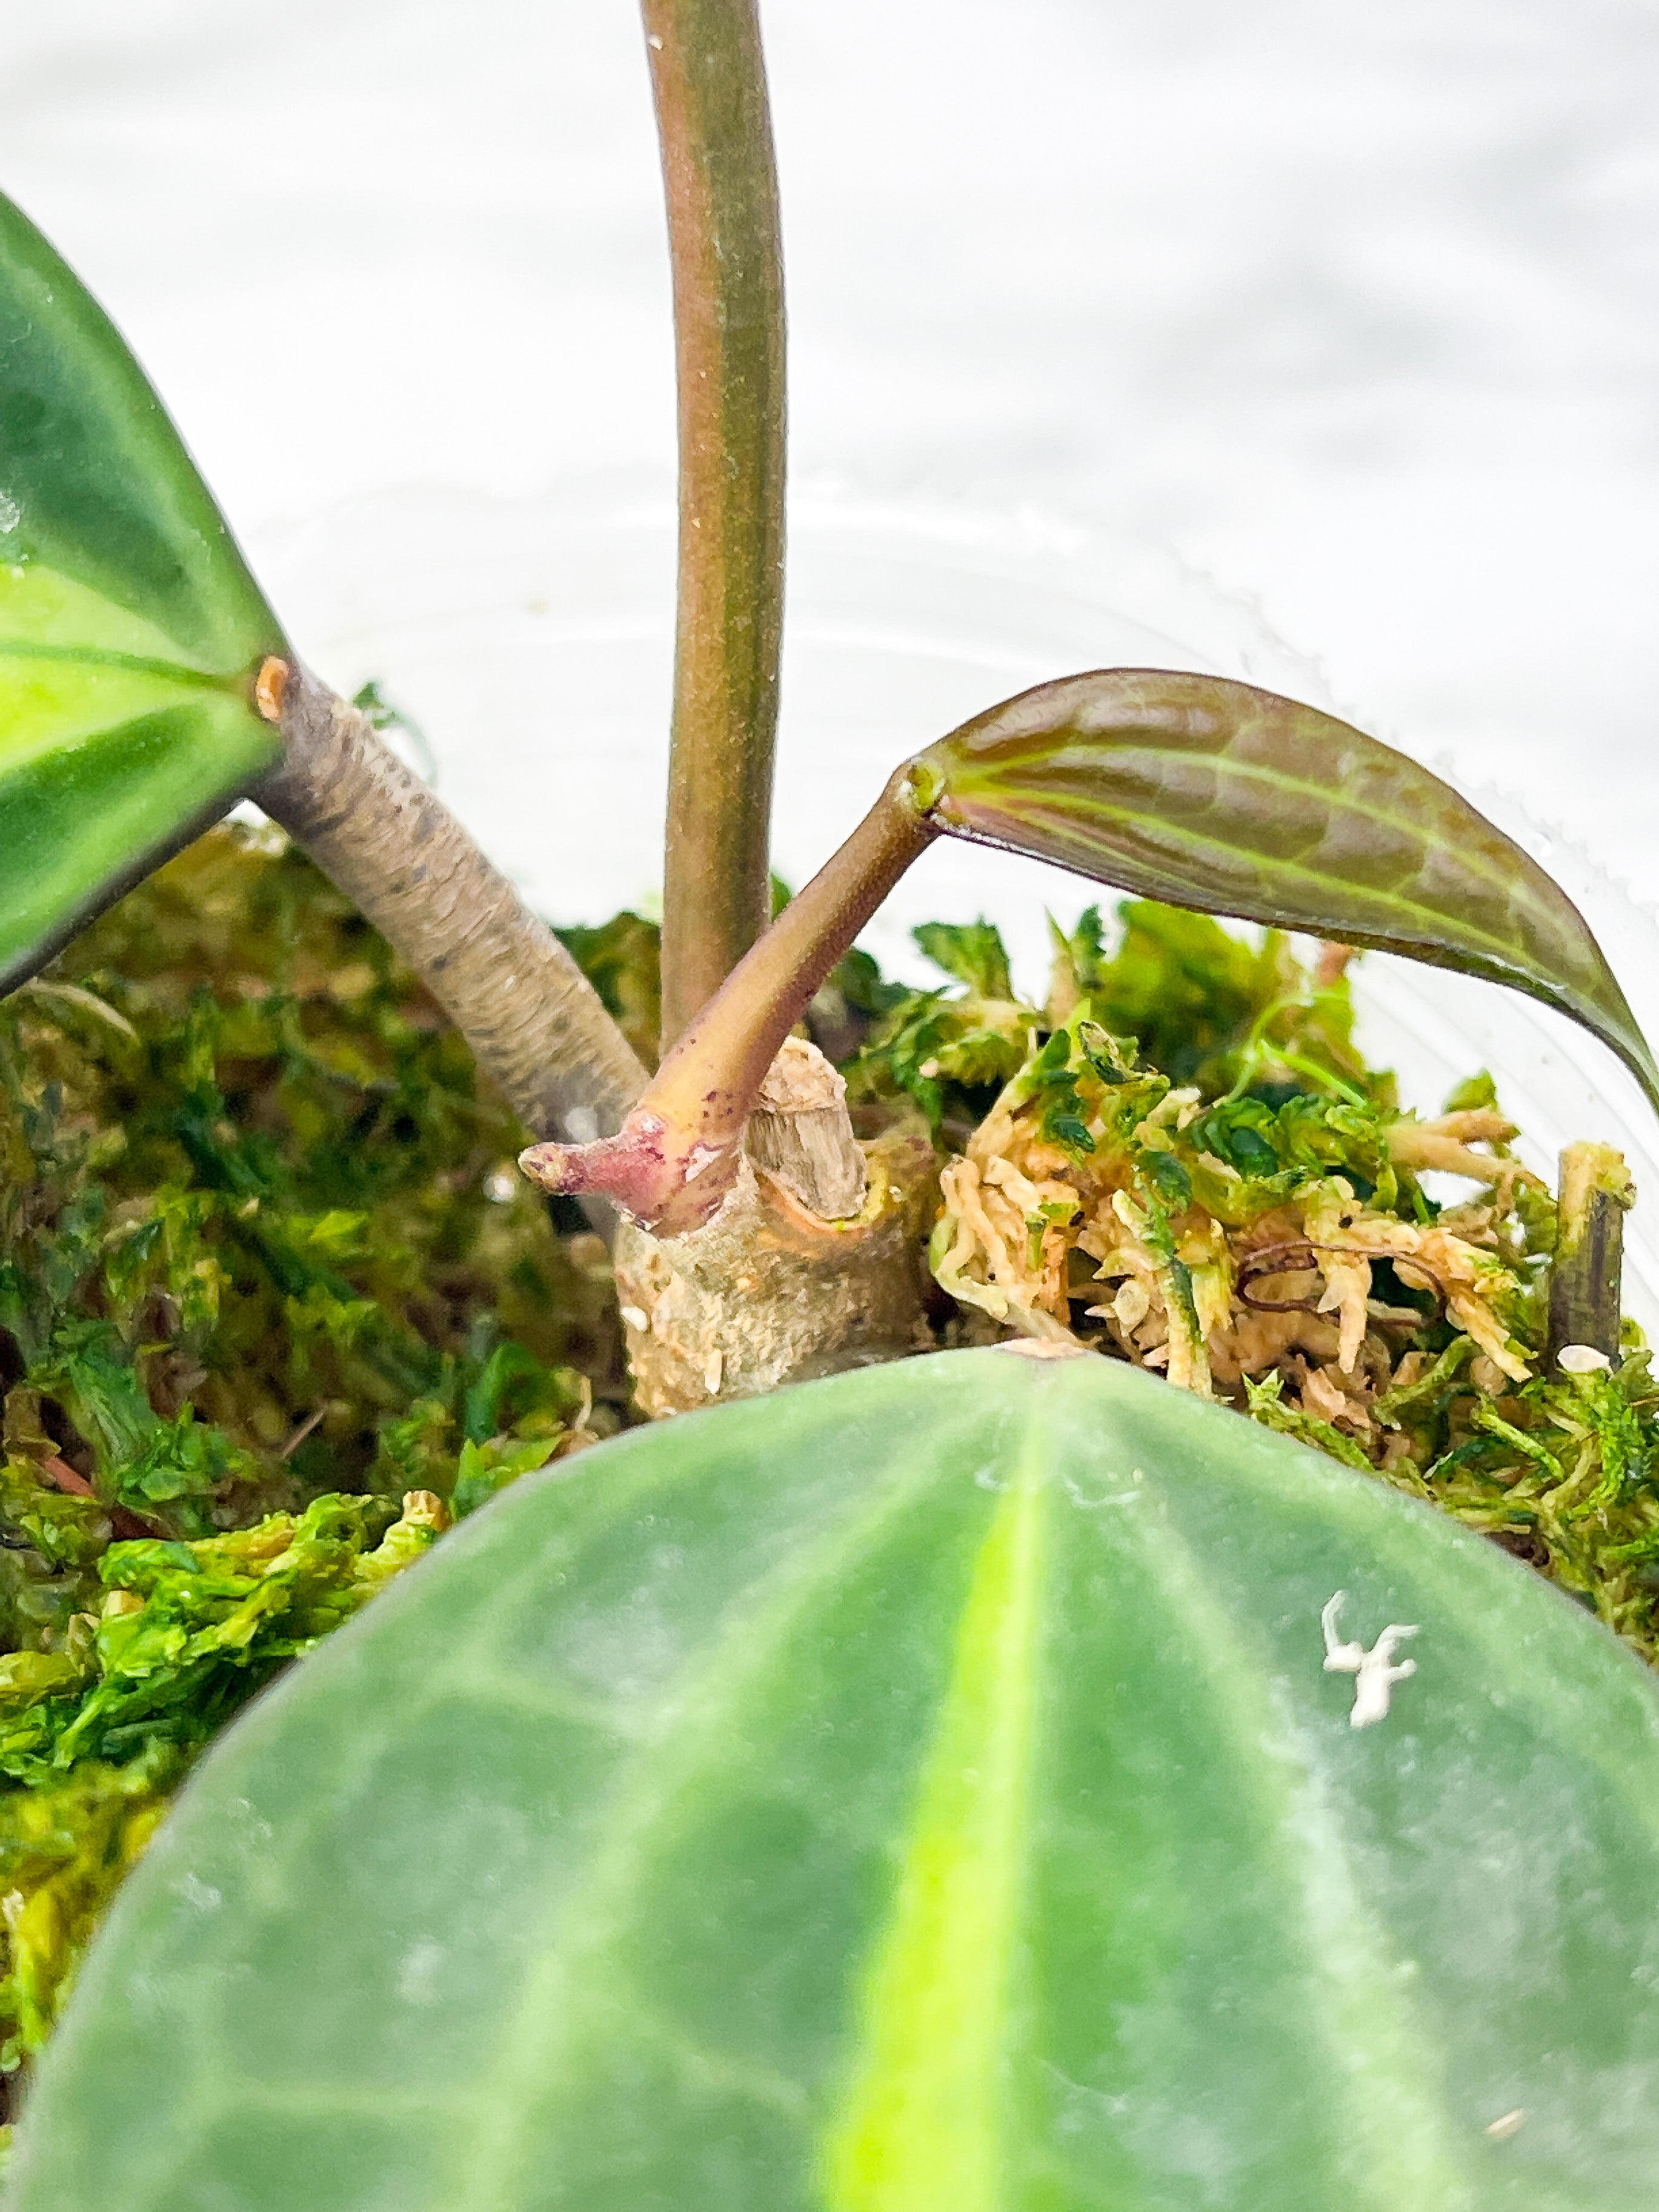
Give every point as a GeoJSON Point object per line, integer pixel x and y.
{"type": "Point", "coordinates": [130, 631]}
{"type": "Point", "coordinates": [920, 1791]}
{"type": "Point", "coordinates": [1211, 794]}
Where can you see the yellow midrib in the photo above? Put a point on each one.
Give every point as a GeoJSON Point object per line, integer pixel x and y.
{"type": "Point", "coordinates": [75, 666]}
{"type": "Point", "coordinates": [918, 2130]}
{"type": "Point", "coordinates": [48, 705]}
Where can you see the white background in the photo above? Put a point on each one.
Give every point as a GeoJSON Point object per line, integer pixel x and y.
{"type": "Point", "coordinates": [1355, 307]}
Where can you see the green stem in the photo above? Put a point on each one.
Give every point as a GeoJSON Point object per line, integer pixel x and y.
{"type": "Point", "coordinates": [709, 82]}
{"type": "Point", "coordinates": [676, 1157]}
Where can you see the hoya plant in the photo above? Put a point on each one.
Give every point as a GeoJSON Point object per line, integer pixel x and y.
{"type": "Point", "coordinates": [1001, 1778]}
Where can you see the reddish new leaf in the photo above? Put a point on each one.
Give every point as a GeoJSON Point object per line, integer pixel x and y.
{"type": "Point", "coordinates": [1208, 793]}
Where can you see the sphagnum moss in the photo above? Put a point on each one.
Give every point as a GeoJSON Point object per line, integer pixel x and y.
{"type": "Point", "coordinates": [275, 1306]}
{"type": "Point", "coordinates": [1182, 1160]}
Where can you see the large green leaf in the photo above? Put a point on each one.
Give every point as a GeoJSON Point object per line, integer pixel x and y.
{"type": "Point", "coordinates": [1211, 794]}
{"type": "Point", "coordinates": [130, 631]}
{"type": "Point", "coordinates": [921, 1791]}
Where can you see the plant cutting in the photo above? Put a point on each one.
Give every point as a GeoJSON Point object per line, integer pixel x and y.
{"type": "Point", "coordinates": [992, 1779]}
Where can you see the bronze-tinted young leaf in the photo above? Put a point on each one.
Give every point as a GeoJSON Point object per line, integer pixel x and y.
{"type": "Point", "coordinates": [1213, 794]}
{"type": "Point", "coordinates": [130, 630]}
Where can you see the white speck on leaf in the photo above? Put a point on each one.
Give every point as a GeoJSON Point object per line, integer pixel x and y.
{"type": "Point", "coordinates": [260, 1831]}
{"type": "Point", "coordinates": [1374, 1671]}
{"type": "Point", "coordinates": [10, 514]}
{"type": "Point", "coordinates": [1507, 2124]}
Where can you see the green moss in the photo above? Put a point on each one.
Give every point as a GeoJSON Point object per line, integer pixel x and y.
{"type": "Point", "coordinates": [265, 1271]}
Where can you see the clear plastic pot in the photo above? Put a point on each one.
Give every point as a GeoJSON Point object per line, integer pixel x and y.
{"type": "Point", "coordinates": [532, 642]}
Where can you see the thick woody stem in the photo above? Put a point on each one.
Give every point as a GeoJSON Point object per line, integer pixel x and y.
{"type": "Point", "coordinates": [709, 82]}
{"type": "Point", "coordinates": [770, 1292]}
{"type": "Point", "coordinates": [675, 1158]}
{"type": "Point", "coordinates": [1586, 1297]}
{"type": "Point", "coordinates": [388, 841]}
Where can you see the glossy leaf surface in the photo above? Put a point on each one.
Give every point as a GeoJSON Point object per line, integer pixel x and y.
{"type": "Point", "coordinates": [130, 630]}
{"type": "Point", "coordinates": [1213, 794]}
{"type": "Point", "coordinates": [920, 1791]}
